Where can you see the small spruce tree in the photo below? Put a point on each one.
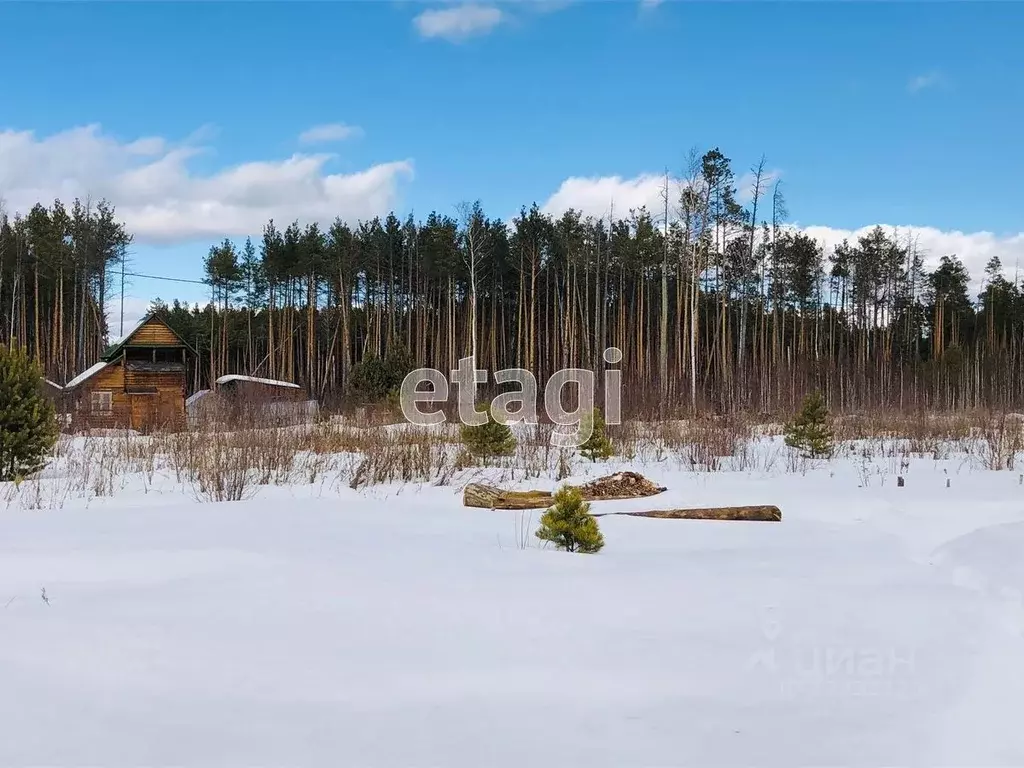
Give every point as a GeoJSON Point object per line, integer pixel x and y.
{"type": "Point", "coordinates": [810, 433]}
{"type": "Point", "coordinates": [28, 423]}
{"type": "Point", "coordinates": [490, 439]}
{"type": "Point", "coordinates": [597, 446]}
{"type": "Point", "coordinates": [568, 525]}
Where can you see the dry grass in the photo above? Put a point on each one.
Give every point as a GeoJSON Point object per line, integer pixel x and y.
{"type": "Point", "coordinates": [922, 428]}
{"type": "Point", "coordinates": [217, 461]}
{"type": "Point", "coordinates": [991, 438]}
{"type": "Point", "coordinates": [700, 445]}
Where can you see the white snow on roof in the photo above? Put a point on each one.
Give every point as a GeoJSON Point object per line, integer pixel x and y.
{"type": "Point", "coordinates": [193, 398]}
{"type": "Point", "coordinates": [53, 384]}
{"type": "Point", "coordinates": [87, 373]}
{"type": "Point", "coordinates": [269, 382]}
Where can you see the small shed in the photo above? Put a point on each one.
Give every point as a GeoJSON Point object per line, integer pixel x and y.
{"type": "Point", "coordinates": [54, 392]}
{"type": "Point", "coordinates": [260, 390]}
{"type": "Point", "coordinates": [139, 384]}
{"type": "Point", "coordinates": [51, 389]}
{"type": "Point", "coordinates": [268, 401]}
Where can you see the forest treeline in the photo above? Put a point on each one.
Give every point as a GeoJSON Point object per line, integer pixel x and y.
{"type": "Point", "coordinates": [55, 279]}
{"type": "Point", "coordinates": [716, 304]}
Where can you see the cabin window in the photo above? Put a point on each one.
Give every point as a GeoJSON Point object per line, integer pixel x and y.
{"type": "Point", "coordinates": [102, 402]}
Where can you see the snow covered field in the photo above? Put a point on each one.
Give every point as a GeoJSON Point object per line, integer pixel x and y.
{"type": "Point", "coordinates": [317, 625]}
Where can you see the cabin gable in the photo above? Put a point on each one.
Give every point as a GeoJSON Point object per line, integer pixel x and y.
{"type": "Point", "coordinates": [155, 333]}
{"type": "Point", "coordinates": [151, 339]}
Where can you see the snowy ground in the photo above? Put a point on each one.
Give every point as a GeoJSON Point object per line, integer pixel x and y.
{"type": "Point", "coordinates": [876, 625]}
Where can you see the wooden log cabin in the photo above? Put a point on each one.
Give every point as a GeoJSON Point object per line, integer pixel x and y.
{"type": "Point", "coordinates": [139, 384]}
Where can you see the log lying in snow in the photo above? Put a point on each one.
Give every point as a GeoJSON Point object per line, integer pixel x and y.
{"type": "Point", "coordinates": [621, 485]}
{"type": "Point", "coordinates": [489, 497]}
{"type": "Point", "coordinates": [766, 513]}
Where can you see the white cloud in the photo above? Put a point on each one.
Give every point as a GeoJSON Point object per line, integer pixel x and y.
{"type": "Point", "coordinates": [161, 200]}
{"type": "Point", "coordinates": [594, 196]}
{"type": "Point", "coordinates": [458, 23]}
{"type": "Point", "coordinates": [973, 248]}
{"type": "Point", "coordinates": [322, 134]}
{"type": "Point", "coordinates": [745, 186]}
{"type": "Point", "coordinates": [925, 81]}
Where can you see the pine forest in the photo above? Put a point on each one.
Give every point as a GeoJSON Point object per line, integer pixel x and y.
{"type": "Point", "coordinates": [717, 305]}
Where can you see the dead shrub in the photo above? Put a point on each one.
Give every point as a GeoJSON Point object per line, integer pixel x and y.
{"type": "Point", "coordinates": [226, 467]}
{"type": "Point", "coordinates": [999, 440]}
{"type": "Point", "coordinates": [402, 457]}
{"type": "Point", "coordinates": [709, 441]}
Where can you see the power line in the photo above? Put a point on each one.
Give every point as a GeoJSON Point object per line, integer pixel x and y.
{"type": "Point", "coordinates": [168, 279]}
{"type": "Point", "coordinates": [151, 277]}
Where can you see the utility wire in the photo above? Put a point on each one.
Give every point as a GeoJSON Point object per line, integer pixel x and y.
{"type": "Point", "coordinates": [168, 279]}
{"type": "Point", "coordinates": [152, 277]}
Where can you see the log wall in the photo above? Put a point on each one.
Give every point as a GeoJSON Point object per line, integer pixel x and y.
{"type": "Point", "coordinates": [140, 400]}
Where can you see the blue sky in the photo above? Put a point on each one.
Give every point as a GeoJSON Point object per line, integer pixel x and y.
{"type": "Point", "coordinates": [870, 113]}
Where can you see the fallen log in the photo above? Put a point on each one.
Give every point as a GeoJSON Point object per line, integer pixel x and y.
{"type": "Point", "coordinates": [764, 513]}
{"type": "Point", "coordinates": [489, 497]}
{"type": "Point", "coordinates": [617, 487]}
